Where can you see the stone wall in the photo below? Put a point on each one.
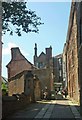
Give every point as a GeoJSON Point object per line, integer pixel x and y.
{"type": "Point", "coordinates": [72, 56]}
{"type": "Point", "coordinates": [80, 77]}
{"type": "Point", "coordinates": [25, 82]}
{"type": "Point", "coordinates": [11, 104]}
{"type": "Point", "coordinates": [24, 88]}
{"type": "Point", "coordinates": [44, 71]}
{"type": "Point", "coordinates": [37, 90]}
{"type": "Point", "coordinates": [16, 85]}
{"type": "Point", "coordinates": [79, 22]}
{"type": "Point", "coordinates": [46, 80]}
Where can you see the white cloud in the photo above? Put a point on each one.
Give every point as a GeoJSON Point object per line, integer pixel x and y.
{"type": "Point", "coordinates": [7, 50]}
{"type": "Point", "coordinates": [24, 53]}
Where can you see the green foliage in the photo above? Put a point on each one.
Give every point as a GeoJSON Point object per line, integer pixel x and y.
{"type": "Point", "coordinates": [17, 14]}
{"type": "Point", "coordinates": [4, 86]}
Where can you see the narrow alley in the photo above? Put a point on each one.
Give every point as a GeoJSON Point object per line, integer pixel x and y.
{"type": "Point", "coordinates": [49, 109]}
{"type": "Point", "coordinates": [49, 86]}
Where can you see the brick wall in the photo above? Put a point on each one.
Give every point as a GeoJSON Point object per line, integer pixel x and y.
{"type": "Point", "coordinates": [18, 63]}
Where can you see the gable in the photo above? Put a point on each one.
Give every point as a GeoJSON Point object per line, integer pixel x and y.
{"type": "Point", "coordinates": [42, 57]}
{"type": "Point", "coordinates": [17, 56]}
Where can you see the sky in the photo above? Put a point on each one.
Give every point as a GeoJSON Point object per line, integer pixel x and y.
{"type": "Point", "coordinates": [55, 16]}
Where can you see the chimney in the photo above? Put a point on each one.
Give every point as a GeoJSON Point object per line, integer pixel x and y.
{"type": "Point", "coordinates": [35, 49]}
{"type": "Point", "coordinates": [14, 52]}
{"type": "Point", "coordinates": [48, 53]}
{"type": "Point", "coordinates": [35, 54]}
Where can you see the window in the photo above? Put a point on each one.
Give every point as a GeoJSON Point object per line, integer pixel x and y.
{"type": "Point", "coordinates": [41, 65]}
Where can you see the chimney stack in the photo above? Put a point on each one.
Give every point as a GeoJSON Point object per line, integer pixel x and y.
{"type": "Point", "coordinates": [35, 49]}
{"type": "Point", "coordinates": [35, 54]}
{"type": "Point", "coordinates": [49, 53]}
{"type": "Point", "coordinates": [14, 52]}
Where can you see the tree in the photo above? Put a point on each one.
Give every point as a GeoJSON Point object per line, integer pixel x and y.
{"type": "Point", "coordinates": [17, 18]}
{"type": "Point", "coordinates": [4, 88]}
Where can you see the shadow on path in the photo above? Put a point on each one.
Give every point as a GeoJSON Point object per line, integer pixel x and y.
{"type": "Point", "coordinates": [60, 111]}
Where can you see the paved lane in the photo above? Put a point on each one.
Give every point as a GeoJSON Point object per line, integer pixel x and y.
{"type": "Point", "coordinates": [62, 110]}
{"type": "Point", "coordinates": [48, 109]}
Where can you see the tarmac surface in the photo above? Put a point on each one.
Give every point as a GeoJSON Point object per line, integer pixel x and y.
{"type": "Point", "coordinates": [48, 109]}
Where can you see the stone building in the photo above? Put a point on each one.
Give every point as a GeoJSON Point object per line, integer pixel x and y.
{"type": "Point", "coordinates": [25, 83]}
{"type": "Point", "coordinates": [78, 6]}
{"type": "Point", "coordinates": [20, 76]}
{"type": "Point", "coordinates": [44, 59]}
{"type": "Point", "coordinates": [44, 63]}
{"type": "Point", "coordinates": [64, 65]}
{"type": "Point", "coordinates": [58, 72]}
{"type": "Point", "coordinates": [18, 63]}
{"type": "Point", "coordinates": [72, 55]}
